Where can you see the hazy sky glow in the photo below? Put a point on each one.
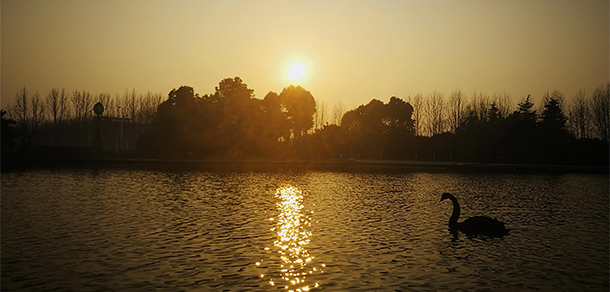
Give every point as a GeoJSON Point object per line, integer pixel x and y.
{"type": "Point", "coordinates": [353, 50]}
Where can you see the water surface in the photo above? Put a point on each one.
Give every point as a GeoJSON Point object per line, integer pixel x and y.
{"type": "Point", "coordinates": [75, 230]}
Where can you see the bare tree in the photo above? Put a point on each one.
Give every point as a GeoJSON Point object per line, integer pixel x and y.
{"type": "Point", "coordinates": [77, 105]}
{"type": "Point", "coordinates": [64, 110]}
{"type": "Point", "coordinates": [156, 100]}
{"type": "Point", "coordinates": [503, 104]}
{"type": "Point", "coordinates": [121, 107]}
{"type": "Point", "coordinates": [580, 116]}
{"type": "Point", "coordinates": [131, 104]}
{"type": "Point", "coordinates": [81, 105]}
{"type": "Point", "coordinates": [418, 108]}
{"type": "Point", "coordinates": [140, 108]}
{"type": "Point", "coordinates": [112, 107]}
{"type": "Point", "coordinates": [38, 112]}
{"type": "Point", "coordinates": [106, 101]}
{"type": "Point", "coordinates": [88, 105]}
{"type": "Point", "coordinates": [53, 106]}
{"type": "Point", "coordinates": [428, 120]}
{"type": "Point", "coordinates": [144, 107]}
{"type": "Point", "coordinates": [337, 113]}
{"type": "Point", "coordinates": [148, 107]}
{"type": "Point", "coordinates": [600, 107]}
{"type": "Point", "coordinates": [455, 110]}
{"type": "Point", "coordinates": [435, 114]}
{"type": "Point", "coordinates": [20, 109]}
{"type": "Point", "coordinates": [478, 106]}
{"type": "Point", "coordinates": [28, 112]}
{"type": "Point", "coordinates": [320, 116]}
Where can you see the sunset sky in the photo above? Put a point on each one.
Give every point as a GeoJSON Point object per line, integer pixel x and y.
{"type": "Point", "coordinates": [353, 51]}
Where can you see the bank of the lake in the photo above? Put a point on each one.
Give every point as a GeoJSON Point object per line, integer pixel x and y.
{"type": "Point", "coordinates": [11, 164]}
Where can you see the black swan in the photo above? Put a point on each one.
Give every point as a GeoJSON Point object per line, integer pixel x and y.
{"type": "Point", "coordinates": [474, 225]}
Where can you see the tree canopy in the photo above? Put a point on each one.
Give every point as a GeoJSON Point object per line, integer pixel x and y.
{"type": "Point", "coordinates": [231, 122]}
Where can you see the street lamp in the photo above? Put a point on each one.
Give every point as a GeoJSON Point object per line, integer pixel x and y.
{"type": "Point", "coordinates": [98, 109]}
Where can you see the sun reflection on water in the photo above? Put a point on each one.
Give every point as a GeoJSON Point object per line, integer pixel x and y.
{"type": "Point", "coordinates": [293, 229]}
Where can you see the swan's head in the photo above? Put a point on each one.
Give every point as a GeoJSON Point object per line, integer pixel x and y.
{"type": "Point", "coordinates": [445, 196]}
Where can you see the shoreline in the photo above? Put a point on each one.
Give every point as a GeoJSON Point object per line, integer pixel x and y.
{"type": "Point", "coordinates": [8, 164]}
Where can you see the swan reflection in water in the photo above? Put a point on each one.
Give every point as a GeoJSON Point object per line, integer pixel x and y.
{"type": "Point", "coordinates": [293, 229]}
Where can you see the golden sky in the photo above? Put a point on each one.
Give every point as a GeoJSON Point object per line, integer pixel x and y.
{"type": "Point", "coordinates": [354, 51]}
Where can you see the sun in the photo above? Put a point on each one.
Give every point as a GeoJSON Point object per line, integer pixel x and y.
{"type": "Point", "coordinates": [296, 71]}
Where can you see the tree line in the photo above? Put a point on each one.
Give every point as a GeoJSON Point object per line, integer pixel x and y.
{"type": "Point", "coordinates": [480, 129]}
{"type": "Point", "coordinates": [232, 122]}
{"type": "Point", "coordinates": [64, 118]}
{"type": "Point", "coordinates": [587, 115]}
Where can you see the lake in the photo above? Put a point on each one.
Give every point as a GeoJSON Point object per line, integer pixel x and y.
{"type": "Point", "coordinates": [143, 230]}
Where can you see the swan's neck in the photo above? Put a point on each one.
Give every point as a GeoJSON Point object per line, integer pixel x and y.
{"type": "Point", "coordinates": [453, 221]}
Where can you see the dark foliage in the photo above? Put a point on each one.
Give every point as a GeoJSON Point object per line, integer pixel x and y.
{"type": "Point", "coordinates": [379, 130]}
{"type": "Point", "coordinates": [230, 123]}
{"type": "Point", "coordinates": [9, 133]}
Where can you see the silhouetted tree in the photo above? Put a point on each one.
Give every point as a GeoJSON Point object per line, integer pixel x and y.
{"type": "Point", "coordinates": [21, 108]}
{"type": "Point", "coordinates": [300, 107]}
{"type": "Point", "coordinates": [553, 118]}
{"type": "Point", "coordinates": [600, 107]}
{"type": "Point", "coordinates": [9, 132]}
{"type": "Point", "coordinates": [481, 138]}
{"type": "Point", "coordinates": [52, 102]}
{"type": "Point", "coordinates": [277, 127]}
{"type": "Point", "coordinates": [553, 134]}
{"type": "Point", "coordinates": [241, 115]}
{"type": "Point", "coordinates": [337, 113]}
{"type": "Point", "coordinates": [38, 112]}
{"type": "Point", "coordinates": [455, 110]}
{"type": "Point", "coordinates": [320, 116]}
{"type": "Point", "coordinates": [148, 107]}
{"type": "Point", "coordinates": [418, 114]}
{"type": "Point", "coordinates": [398, 117]}
{"type": "Point", "coordinates": [172, 123]}
{"type": "Point", "coordinates": [478, 106]}
{"type": "Point", "coordinates": [57, 105]}
{"type": "Point", "coordinates": [331, 142]}
{"type": "Point", "coordinates": [376, 128]}
{"type": "Point", "coordinates": [525, 109]}
{"type": "Point", "coordinates": [504, 105]}
{"type": "Point", "coordinates": [82, 103]}
{"type": "Point", "coordinates": [232, 123]}
{"type": "Point", "coordinates": [580, 116]}
{"type": "Point", "coordinates": [29, 114]}
{"type": "Point", "coordinates": [435, 113]}
{"type": "Point", "coordinates": [493, 113]}
{"type": "Point", "coordinates": [522, 134]}
{"type": "Point", "coordinates": [366, 129]}
{"type": "Point", "coordinates": [400, 128]}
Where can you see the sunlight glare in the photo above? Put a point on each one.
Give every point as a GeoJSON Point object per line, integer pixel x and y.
{"type": "Point", "coordinates": [296, 71]}
{"type": "Point", "coordinates": [293, 236]}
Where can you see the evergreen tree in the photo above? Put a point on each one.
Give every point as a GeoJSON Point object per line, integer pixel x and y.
{"type": "Point", "coordinates": [553, 118]}
{"type": "Point", "coordinates": [525, 109]}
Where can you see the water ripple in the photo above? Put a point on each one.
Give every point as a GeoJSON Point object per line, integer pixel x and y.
{"type": "Point", "coordinates": [175, 231]}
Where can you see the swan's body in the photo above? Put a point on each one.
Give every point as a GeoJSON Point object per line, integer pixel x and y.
{"type": "Point", "coordinates": [474, 225]}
